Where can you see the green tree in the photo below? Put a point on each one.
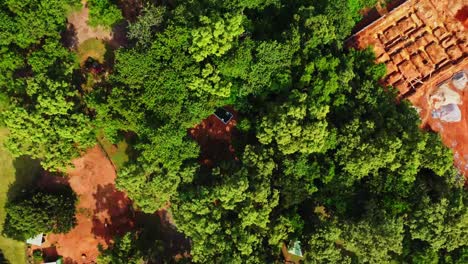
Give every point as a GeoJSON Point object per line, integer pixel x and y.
{"type": "Point", "coordinates": [215, 37]}
{"type": "Point", "coordinates": [286, 127]}
{"type": "Point", "coordinates": [45, 114]}
{"type": "Point", "coordinates": [40, 212]}
{"type": "Point", "coordinates": [326, 246]}
{"type": "Point", "coordinates": [123, 251]}
{"type": "Point", "coordinates": [373, 242]}
{"type": "Point", "coordinates": [103, 13]}
{"type": "Point", "coordinates": [228, 220]}
{"type": "Point", "coordinates": [142, 31]}
{"type": "Point", "coordinates": [442, 224]}
{"type": "Point", "coordinates": [315, 128]}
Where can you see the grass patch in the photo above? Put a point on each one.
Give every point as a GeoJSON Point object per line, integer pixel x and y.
{"type": "Point", "coordinates": [118, 153]}
{"type": "Point", "coordinates": [94, 48]}
{"type": "Point", "coordinates": [14, 251]}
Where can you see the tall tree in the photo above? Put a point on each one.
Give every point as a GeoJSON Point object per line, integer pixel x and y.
{"type": "Point", "coordinates": [40, 212]}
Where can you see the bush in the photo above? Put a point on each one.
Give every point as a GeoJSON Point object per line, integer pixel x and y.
{"type": "Point", "coordinates": [40, 212]}
{"type": "Point", "coordinates": [103, 13]}
{"type": "Point", "coordinates": [37, 256]}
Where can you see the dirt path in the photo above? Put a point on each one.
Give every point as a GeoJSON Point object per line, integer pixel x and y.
{"type": "Point", "coordinates": [78, 23]}
{"type": "Point", "coordinates": [102, 211]}
{"type": "Point", "coordinates": [78, 30]}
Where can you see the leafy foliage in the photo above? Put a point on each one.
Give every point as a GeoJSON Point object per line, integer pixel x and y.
{"type": "Point", "coordinates": [103, 13]}
{"type": "Point", "coordinates": [45, 116]}
{"type": "Point", "coordinates": [215, 37]}
{"type": "Point", "coordinates": [142, 31]}
{"type": "Point", "coordinates": [40, 212]}
{"type": "Point", "coordinates": [123, 250]}
{"type": "Point", "coordinates": [321, 153]}
{"type": "Point", "coordinates": [316, 129]}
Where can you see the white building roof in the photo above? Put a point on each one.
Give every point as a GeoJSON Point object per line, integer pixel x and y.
{"type": "Point", "coordinates": [37, 240]}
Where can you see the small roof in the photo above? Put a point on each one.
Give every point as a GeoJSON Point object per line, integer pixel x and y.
{"type": "Point", "coordinates": [223, 115]}
{"type": "Point", "coordinates": [59, 261]}
{"type": "Point", "coordinates": [295, 248]}
{"type": "Point", "coordinates": [36, 241]}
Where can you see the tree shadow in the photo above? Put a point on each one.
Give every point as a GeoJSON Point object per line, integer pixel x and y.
{"type": "Point", "coordinates": [159, 238]}
{"type": "Point", "coordinates": [109, 56]}
{"type": "Point", "coordinates": [119, 32]}
{"type": "Point", "coordinates": [69, 261]}
{"type": "Point", "coordinates": [131, 9]}
{"type": "Point", "coordinates": [69, 37]}
{"type": "Point", "coordinates": [131, 139]}
{"type": "Point", "coordinates": [2, 258]}
{"type": "Point", "coordinates": [27, 172]}
{"type": "Point", "coordinates": [54, 183]}
{"type": "Point", "coordinates": [113, 215]}
{"type": "Point", "coordinates": [215, 139]}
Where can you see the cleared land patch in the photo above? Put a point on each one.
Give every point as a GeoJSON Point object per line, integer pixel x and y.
{"type": "Point", "coordinates": [215, 138]}
{"type": "Point", "coordinates": [93, 48]}
{"type": "Point", "coordinates": [78, 23]}
{"type": "Point", "coordinates": [424, 44]}
{"type": "Point", "coordinates": [102, 211]}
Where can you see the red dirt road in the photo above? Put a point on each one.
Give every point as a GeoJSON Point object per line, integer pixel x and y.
{"type": "Point", "coordinates": [102, 211]}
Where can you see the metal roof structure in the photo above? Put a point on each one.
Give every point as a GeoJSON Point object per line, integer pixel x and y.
{"type": "Point", "coordinates": [295, 248]}
{"type": "Point", "coordinates": [36, 241]}
{"type": "Point", "coordinates": [223, 115]}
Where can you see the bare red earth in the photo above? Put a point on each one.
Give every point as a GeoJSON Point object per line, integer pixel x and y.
{"type": "Point", "coordinates": [215, 139]}
{"type": "Point", "coordinates": [454, 135]}
{"type": "Point", "coordinates": [424, 43]}
{"type": "Point", "coordinates": [102, 211]}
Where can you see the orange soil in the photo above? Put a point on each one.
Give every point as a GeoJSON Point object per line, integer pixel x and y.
{"type": "Point", "coordinates": [215, 138]}
{"type": "Point", "coordinates": [102, 211]}
{"type": "Point", "coordinates": [454, 135]}
{"type": "Point", "coordinates": [423, 43]}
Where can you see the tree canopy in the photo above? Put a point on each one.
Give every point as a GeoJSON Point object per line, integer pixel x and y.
{"type": "Point", "coordinates": [316, 130]}
{"type": "Point", "coordinates": [320, 151]}
{"type": "Point", "coordinates": [40, 212]}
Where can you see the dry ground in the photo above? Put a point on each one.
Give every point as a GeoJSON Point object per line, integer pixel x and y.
{"type": "Point", "coordinates": [78, 22]}
{"type": "Point", "coordinates": [102, 211]}
{"type": "Point", "coordinates": [78, 30]}
{"type": "Point", "coordinates": [215, 139]}
{"type": "Point", "coordinates": [454, 135]}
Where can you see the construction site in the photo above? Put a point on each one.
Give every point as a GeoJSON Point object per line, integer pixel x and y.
{"type": "Point", "coordinates": [423, 44]}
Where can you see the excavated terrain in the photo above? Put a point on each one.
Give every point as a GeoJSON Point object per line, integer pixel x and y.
{"type": "Point", "coordinates": [424, 44]}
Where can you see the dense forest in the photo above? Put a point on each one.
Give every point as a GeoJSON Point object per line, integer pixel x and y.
{"type": "Point", "coordinates": [323, 154]}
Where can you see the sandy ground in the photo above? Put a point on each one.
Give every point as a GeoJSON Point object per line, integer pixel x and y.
{"type": "Point", "coordinates": [79, 31]}
{"type": "Point", "coordinates": [102, 211]}
{"type": "Point", "coordinates": [78, 22]}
